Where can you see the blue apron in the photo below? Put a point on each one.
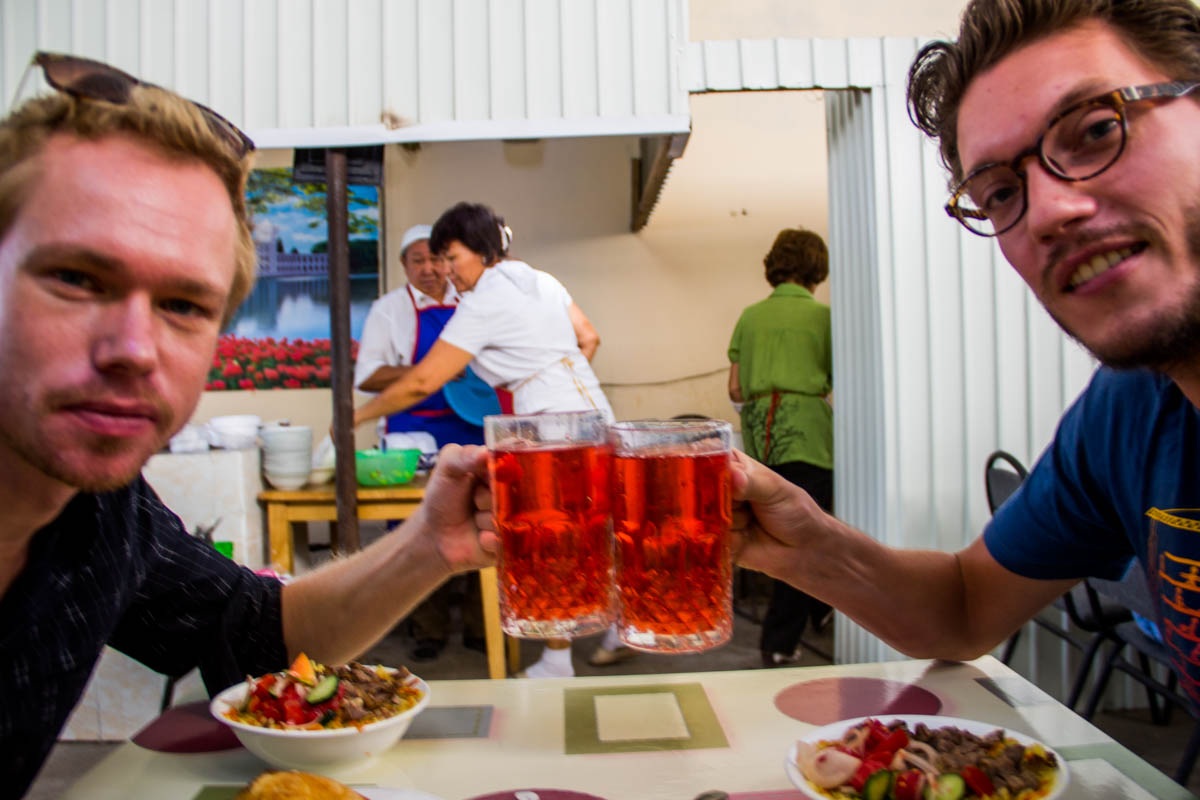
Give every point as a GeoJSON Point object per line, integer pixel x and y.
{"type": "Point", "coordinates": [433, 414]}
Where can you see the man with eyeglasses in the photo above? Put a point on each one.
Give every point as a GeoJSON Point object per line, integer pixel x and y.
{"type": "Point", "coordinates": [1070, 128]}
{"type": "Point", "coordinates": [124, 247]}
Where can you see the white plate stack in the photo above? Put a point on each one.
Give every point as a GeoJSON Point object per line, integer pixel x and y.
{"type": "Point", "coordinates": [287, 454]}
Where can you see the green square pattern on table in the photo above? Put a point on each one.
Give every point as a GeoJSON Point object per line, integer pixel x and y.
{"type": "Point", "coordinates": [217, 793]}
{"type": "Point", "coordinates": [700, 726]}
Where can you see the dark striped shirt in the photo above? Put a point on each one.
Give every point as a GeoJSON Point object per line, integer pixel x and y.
{"type": "Point", "coordinates": [119, 568]}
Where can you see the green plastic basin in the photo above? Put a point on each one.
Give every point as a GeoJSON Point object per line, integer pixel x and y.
{"type": "Point", "coordinates": [386, 467]}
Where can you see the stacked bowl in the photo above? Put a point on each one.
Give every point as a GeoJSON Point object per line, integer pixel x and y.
{"type": "Point", "coordinates": [287, 454]}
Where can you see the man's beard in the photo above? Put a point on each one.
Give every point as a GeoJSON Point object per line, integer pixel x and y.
{"type": "Point", "coordinates": [87, 462]}
{"type": "Point", "coordinates": [1173, 340]}
{"type": "Point", "coordinates": [61, 469]}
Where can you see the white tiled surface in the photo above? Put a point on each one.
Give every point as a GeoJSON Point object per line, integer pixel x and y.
{"type": "Point", "coordinates": [122, 697]}
{"type": "Point", "coordinates": [202, 487]}
{"type": "Point", "coordinates": [84, 724]}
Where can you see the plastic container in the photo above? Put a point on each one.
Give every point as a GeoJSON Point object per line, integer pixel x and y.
{"type": "Point", "coordinates": [386, 467]}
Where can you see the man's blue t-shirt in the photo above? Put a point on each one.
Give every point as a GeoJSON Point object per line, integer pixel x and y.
{"type": "Point", "coordinates": [1120, 480]}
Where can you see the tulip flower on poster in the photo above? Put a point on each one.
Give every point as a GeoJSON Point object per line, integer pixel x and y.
{"type": "Point", "coordinates": [242, 363]}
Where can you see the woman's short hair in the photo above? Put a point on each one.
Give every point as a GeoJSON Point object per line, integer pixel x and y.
{"type": "Point", "coordinates": [798, 256]}
{"type": "Point", "coordinates": [477, 227]}
{"type": "Point", "coordinates": [155, 116]}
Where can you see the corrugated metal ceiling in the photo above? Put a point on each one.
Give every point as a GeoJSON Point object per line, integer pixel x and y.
{"type": "Point", "coordinates": [324, 72]}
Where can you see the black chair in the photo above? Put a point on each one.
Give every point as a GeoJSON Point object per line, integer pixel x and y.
{"type": "Point", "coordinates": [1001, 483]}
{"type": "Point", "coordinates": [1003, 474]}
{"type": "Point", "coordinates": [1133, 593]}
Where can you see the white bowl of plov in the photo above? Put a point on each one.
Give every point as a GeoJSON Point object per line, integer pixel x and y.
{"type": "Point", "coordinates": [317, 750]}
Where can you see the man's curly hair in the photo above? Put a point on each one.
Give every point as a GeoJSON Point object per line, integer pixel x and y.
{"type": "Point", "coordinates": [1166, 33]}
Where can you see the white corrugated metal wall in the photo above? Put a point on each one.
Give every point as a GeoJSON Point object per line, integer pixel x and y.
{"type": "Point", "coordinates": [323, 72]}
{"type": "Point", "coordinates": [942, 354]}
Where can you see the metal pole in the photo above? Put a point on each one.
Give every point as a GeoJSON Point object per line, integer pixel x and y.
{"type": "Point", "coordinates": [346, 535]}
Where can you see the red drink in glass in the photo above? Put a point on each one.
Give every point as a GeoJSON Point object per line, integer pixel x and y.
{"type": "Point", "coordinates": [672, 511]}
{"type": "Point", "coordinates": [551, 507]}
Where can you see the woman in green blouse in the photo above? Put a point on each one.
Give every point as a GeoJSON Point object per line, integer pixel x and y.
{"type": "Point", "coordinates": [781, 371]}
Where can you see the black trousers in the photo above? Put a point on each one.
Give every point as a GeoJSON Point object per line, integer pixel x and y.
{"type": "Point", "coordinates": [791, 609]}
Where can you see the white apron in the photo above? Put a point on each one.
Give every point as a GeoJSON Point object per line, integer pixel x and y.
{"type": "Point", "coordinates": [564, 385]}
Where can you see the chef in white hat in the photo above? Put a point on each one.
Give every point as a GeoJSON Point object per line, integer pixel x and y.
{"type": "Point", "coordinates": [400, 328]}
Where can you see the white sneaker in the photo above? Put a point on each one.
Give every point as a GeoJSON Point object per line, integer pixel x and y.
{"type": "Point", "coordinates": [604, 657]}
{"type": "Point", "coordinates": [540, 669]}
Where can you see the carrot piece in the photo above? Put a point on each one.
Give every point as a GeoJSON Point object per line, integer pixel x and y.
{"type": "Point", "coordinates": [302, 670]}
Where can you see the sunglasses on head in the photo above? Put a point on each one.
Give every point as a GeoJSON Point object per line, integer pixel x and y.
{"type": "Point", "coordinates": [93, 80]}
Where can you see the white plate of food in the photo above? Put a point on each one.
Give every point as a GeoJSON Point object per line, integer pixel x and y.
{"type": "Point", "coordinates": [840, 761]}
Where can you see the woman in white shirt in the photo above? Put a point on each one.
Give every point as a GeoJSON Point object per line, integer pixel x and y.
{"type": "Point", "coordinates": [519, 330]}
{"type": "Point", "coordinates": [516, 327]}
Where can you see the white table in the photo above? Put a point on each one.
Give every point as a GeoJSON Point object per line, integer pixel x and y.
{"type": "Point", "coordinates": [570, 734]}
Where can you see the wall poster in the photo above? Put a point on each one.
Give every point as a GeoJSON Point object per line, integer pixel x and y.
{"type": "Point", "coordinates": [279, 338]}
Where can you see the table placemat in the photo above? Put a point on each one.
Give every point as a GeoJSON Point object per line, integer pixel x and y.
{"type": "Point", "coordinates": [827, 700]}
{"type": "Point", "coordinates": [635, 719]}
{"type": "Point", "coordinates": [187, 728]}
{"type": "Point", "coordinates": [451, 722]}
{"type": "Point", "coordinates": [217, 793]}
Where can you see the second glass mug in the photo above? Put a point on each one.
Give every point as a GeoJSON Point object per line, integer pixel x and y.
{"type": "Point", "coordinates": [672, 513]}
{"type": "Point", "coordinates": [550, 502]}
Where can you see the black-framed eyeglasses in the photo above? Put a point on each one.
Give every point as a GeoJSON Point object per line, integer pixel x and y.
{"type": "Point", "coordinates": [1079, 143]}
{"type": "Point", "coordinates": [95, 80]}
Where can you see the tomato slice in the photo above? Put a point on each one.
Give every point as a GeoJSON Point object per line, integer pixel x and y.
{"type": "Point", "coordinates": [876, 733]}
{"type": "Point", "coordinates": [888, 746]}
{"type": "Point", "coordinates": [909, 785]}
{"type": "Point", "coordinates": [865, 770]}
{"type": "Point", "coordinates": [977, 780]}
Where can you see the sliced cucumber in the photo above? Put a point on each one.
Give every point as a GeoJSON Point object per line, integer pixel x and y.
{"type": "Point", "coordinates": [878, 785]}
{"type": "Point", "coordinates": [948, 787]}
{"type": "Point", "coordinates": [325, 689]}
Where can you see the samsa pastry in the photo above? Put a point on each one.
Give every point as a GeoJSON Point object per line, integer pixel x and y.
{"type": "Point", "coordinates": [296, 786]}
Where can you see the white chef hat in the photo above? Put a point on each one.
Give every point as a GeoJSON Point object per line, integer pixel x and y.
{"type": "Point", "coordinates": [414, 234]}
